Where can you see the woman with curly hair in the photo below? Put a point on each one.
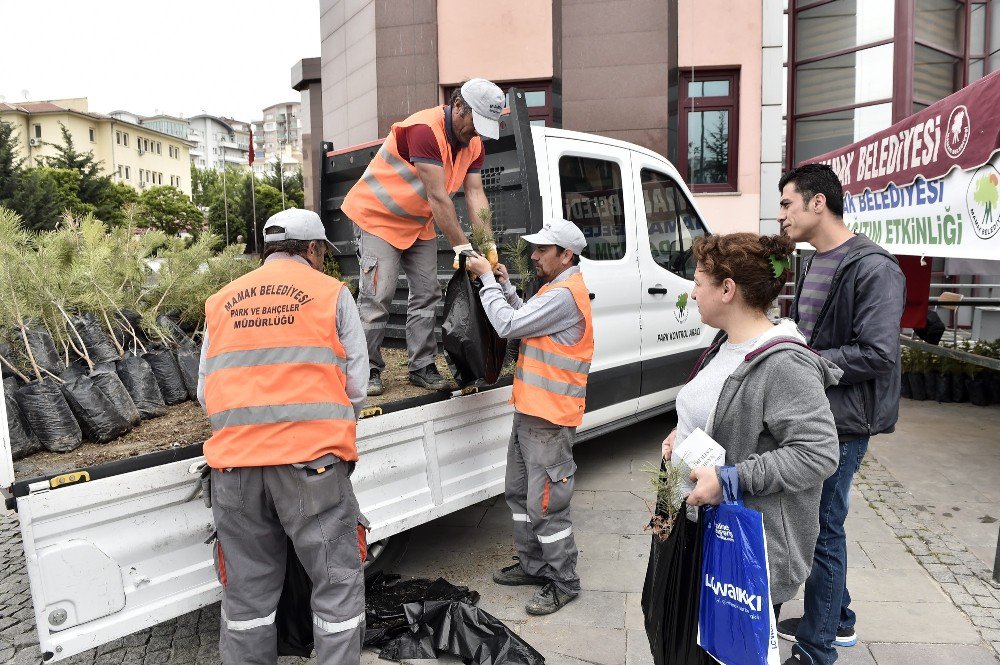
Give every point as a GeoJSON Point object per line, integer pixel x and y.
{"type": "Point", "coordinates": [760, 391]}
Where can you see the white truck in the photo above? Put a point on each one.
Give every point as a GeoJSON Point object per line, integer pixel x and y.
{"type": "Point", "coordinates": [122, 546]}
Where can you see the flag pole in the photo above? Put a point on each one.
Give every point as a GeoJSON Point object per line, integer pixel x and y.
{"type": "Point", "coordinates": [253, 196]}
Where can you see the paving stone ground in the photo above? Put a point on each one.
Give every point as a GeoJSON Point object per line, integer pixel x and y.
{"type": "Point", "coordinates": [921, 586]}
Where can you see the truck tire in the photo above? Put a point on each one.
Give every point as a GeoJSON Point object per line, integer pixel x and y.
{"type": "Point", "coordinates": [384, 554]}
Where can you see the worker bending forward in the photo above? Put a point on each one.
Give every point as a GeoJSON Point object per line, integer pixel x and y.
{"type": "Point", "coordinates": [550, 385]}
{"type": "Point", "coordinates": [283, 373]}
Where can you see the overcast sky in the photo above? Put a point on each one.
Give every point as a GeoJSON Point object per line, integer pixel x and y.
{"type": "Point", "coordinates": [176, 57]}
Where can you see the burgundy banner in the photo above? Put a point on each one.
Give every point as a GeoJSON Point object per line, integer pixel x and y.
{"type": "Point", "coordinates": [961, 130]}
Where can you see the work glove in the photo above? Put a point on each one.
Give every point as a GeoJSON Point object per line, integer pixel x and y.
{"type": "Point", "coordinates": [458, 251]}
{"type": "Point", "coordinates": [490, 252]}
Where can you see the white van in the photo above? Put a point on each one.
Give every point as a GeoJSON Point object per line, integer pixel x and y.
{"type": "Point", "coordinates": [119, 547]}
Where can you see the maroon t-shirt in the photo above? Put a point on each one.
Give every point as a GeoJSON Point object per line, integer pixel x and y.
{"type": "Point", "coordinates": [417, 143]}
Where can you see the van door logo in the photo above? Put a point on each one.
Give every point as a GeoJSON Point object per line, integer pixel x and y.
{"type": "Point", "coordinates": [957, 131]}
{"type": "Point", "coordinates": [981, 199]}
{"type": "Point", "coordinates": [681, 313]}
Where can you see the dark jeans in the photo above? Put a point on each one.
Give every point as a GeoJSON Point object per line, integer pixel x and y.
{"type": "Point", "coordinates": [826, 598]}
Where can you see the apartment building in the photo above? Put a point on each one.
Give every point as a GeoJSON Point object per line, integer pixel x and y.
{"type": "Point", "coordinates": [132, 153]}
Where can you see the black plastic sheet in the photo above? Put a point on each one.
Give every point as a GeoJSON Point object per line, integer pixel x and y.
{"type": "Point", "coordinates": [96, 341]}
{"type": "Point", "coordinates": [408, 619]}
{"type": "Point", "coordinates": [99, 419]}
{"type": "Point", "coordinates": [43, 349]}
{"type": "Point", "coordinates": [474, 350]}
{"type": "Point", "coordinates": [462, 630]}
{"type": "Point", "coordinates": [163, 362]}
{"type": "Point", "coordinates": [23, 441]}
{"type": "Point", "coordinates": [670, 595]}
{"type": "Point", "coordinates": [140, 382]}
{"type": "Point", "coordinates": [385, 596]}
{"type": "Point", "coordinates": [49, 416]}
{"type": "Point", "coordinates": [107, 382]}
{"type": "Point", "coordinates": [188, 358]}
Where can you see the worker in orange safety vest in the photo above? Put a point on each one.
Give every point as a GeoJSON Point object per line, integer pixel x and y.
{"type": "Point", "coordinates": [550, 388]}
{"type": "Point", "coordinates": [404, 192]}
{"type": "Point", "coordinates": [282, 377]}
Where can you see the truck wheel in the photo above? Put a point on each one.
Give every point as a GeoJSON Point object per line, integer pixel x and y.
{"type": "Point", "coordinates": [384, 554]}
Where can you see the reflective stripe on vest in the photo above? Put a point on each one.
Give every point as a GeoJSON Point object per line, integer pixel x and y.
{"type": "Point", "coordinates": [550, 380]}
{"type": "Point", "coordinates": [562, 362]}
{"type": "Point", "coordinates": [550, 385]}
{"type": "Point", "coordinates": [385, 198]}
{"type": "Point", "coordinates": [317, 355]}
{"type": "Point", "coordinates": [390, 201]}
{"type": "Point", "coordinates": [281, 413]}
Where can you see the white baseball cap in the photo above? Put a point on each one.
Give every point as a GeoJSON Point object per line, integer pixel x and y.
{"type": "Point", "coordinates": [298, 224]}
{"type": "Point", "coordinates": [560, 232]}
{"type": "Point", "coordinates": [486, 100]}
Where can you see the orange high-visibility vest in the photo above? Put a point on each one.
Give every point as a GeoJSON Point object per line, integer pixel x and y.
{"type": "Point", "coordinates": [550, 380]}
{"type": "Point", "coordinates": [389, 201]}
{"type": "Point", "coordinates": [275, 375]}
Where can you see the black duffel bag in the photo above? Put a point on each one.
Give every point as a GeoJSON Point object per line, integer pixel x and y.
{"type": "Point", "coordinates": [474, 350]}
{"type": "Point", "coordinates": [49, 416]}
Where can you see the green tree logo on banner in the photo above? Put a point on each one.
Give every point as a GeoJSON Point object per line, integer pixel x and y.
{"type": "Point", "coordinates": [985, 193]}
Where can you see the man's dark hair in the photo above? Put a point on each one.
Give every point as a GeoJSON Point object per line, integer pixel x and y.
{"type": "Point", "coordinates": [813, 179]}
{"type": "Point", "coordinates": [294, 247]}
{"type": "Point", "coordinates": [576, 257]}
{"type": "Point", "coordinates": [456, 96]}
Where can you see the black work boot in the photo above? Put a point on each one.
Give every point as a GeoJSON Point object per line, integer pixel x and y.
{"type": "Point", "coordinates": [547, 600]}
{"type": "Point", "coordinates": [375, 386]}
{"type": "Point", "coordinates": [429, 378]}
{"type": "Point", "coordinates": [514, 575]}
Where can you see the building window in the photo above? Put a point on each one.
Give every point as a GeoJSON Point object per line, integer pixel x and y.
{"type": "Point", "coordinates": [93, 135]}
{"type": "Point", "coordinates": [537, 97]}
{"type": "Point", "coordinates": [38, 131]}
{"type": "Point", "coordinates": [158, 148]}
{"type": "Point", "coordinates": [709, 128]}
{"type": "Point", "coordinates": [119, 171]}
{"type": "Point", "coordinates": [592, 198]}
{"type": "Point", "coordinates": [671, 223]}
{"type": "Point", "coordinates": [118, 137]}
{"type": "Point", "coordinates": [125, 139]}
{"type": "Point", "coordinates": [128, 173]}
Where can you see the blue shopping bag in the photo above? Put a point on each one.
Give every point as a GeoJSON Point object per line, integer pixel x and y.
{"type": "Point", "coordinates": [735, 618]}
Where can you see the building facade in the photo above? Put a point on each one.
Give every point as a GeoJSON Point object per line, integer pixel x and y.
{"type": "Point", "coordinates": [218, 142]}
{"type": "Point", "coordinates": [634, 70]}
{"type": "Point", "coordinates": [278, 138]}
{"type": "Point", "coordinates": [131, 153]}
{"type": "Point", "coordinates": [168, 124]}
{"type": "Point", "coordinates": [732, 93]}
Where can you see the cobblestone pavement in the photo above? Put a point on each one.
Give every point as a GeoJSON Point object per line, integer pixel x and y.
{"type": "Point", "coordinates": [966, 580]}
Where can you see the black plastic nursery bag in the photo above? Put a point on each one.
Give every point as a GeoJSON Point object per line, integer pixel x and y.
{"type": "Point", "coordinates": [474, 350]}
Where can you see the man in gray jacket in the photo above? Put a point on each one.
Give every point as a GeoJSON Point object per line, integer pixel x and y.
{"type": "Point", "coordinates": [848, 304]}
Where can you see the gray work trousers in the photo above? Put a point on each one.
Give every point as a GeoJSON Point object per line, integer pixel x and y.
{"type": "Point", "coordinates": [254, 507]}
{"type": "Point", "coordinates": [380, 264]}
{"type": "Point", "coordinates": [538, 489]}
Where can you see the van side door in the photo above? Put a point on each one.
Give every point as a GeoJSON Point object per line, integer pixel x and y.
{"type": "Point", "coordinates": [590, 185]}
{"type": "Point", "coordinates": [672, 334]}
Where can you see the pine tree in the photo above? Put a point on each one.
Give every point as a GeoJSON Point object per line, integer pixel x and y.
{"type": "Point", "coordinates": [95, 189]}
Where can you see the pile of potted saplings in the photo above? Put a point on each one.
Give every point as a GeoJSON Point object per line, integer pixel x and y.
{"type": "Point", "coordinates": [927, 376]}
{"type": "Point", "coordinates": [93, 340]}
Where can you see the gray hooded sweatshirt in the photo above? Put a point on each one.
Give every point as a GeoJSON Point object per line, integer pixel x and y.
{"type": "Point", "coordinates": [774, 421]}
